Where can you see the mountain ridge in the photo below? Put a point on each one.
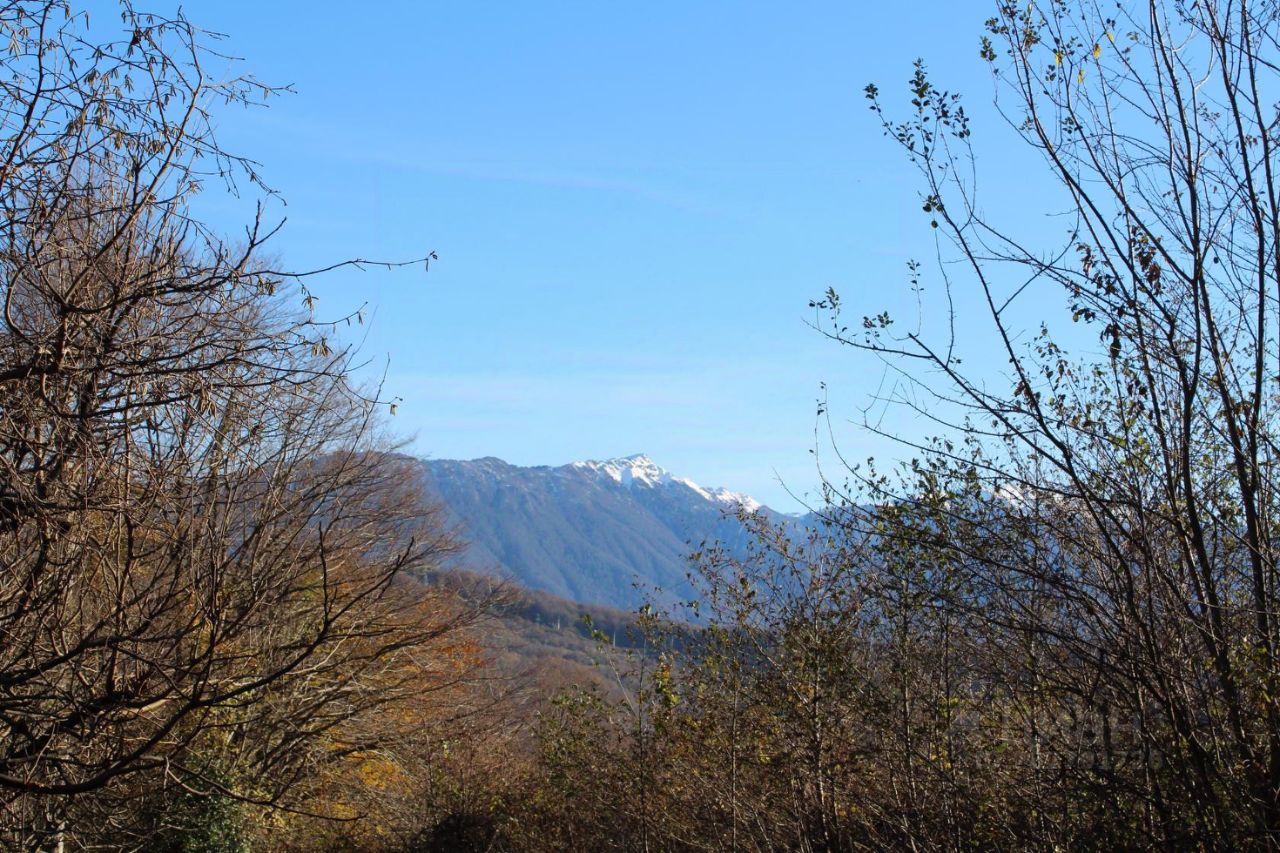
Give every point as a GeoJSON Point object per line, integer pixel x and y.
{"type": "Point", "coordinates": [614, 532]}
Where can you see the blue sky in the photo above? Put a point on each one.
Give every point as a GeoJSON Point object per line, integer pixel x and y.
{"type": "Point", "coordinates": [632, 205]}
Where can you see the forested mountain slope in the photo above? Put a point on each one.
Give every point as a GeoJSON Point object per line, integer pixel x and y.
{"type": "Point", "coordinates": [598, 532]}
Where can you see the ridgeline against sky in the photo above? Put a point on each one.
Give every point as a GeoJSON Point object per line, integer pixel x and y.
{"type": "Point", "coordinates": [632, 208]}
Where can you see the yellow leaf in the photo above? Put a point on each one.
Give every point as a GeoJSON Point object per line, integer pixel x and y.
{"type": "Point", "coordinates": [1057, 58]}
{"type": "Point", "coordinates": [1111, 38]}
{"type": "Point", "coordinates": [1080, 76]}
{"type": "Point", "coordinates": [1097, 51]}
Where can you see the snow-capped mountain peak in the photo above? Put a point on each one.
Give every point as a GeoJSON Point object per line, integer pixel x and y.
{"type": "Point", "coordinates": [735, 499]}
{"type": "Point", "coordinates": [629, 470]}
{"type": "Point", "coordinates": [640, 469]}
{"type": "Point", "coordinates": [613, 531]}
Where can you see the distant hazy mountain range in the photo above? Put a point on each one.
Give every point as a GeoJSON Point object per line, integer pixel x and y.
{"type": "Point", "coordinates": [587, 531]}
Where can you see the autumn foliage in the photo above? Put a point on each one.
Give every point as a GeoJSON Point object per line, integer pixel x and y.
{"type": "Point", "coordinates": [225, 619]}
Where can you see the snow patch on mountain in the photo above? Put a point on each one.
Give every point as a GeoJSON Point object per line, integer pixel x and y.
{"type": "Point", "coordinates": [640, 469]}
{"type": "Point", "coordinates": [736, 499]}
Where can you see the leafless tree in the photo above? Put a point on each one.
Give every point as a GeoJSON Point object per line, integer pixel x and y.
{"type": "Point", "coordinates": [204, 545]}
{"type": "Point", "coordinates": [1110, 500]}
